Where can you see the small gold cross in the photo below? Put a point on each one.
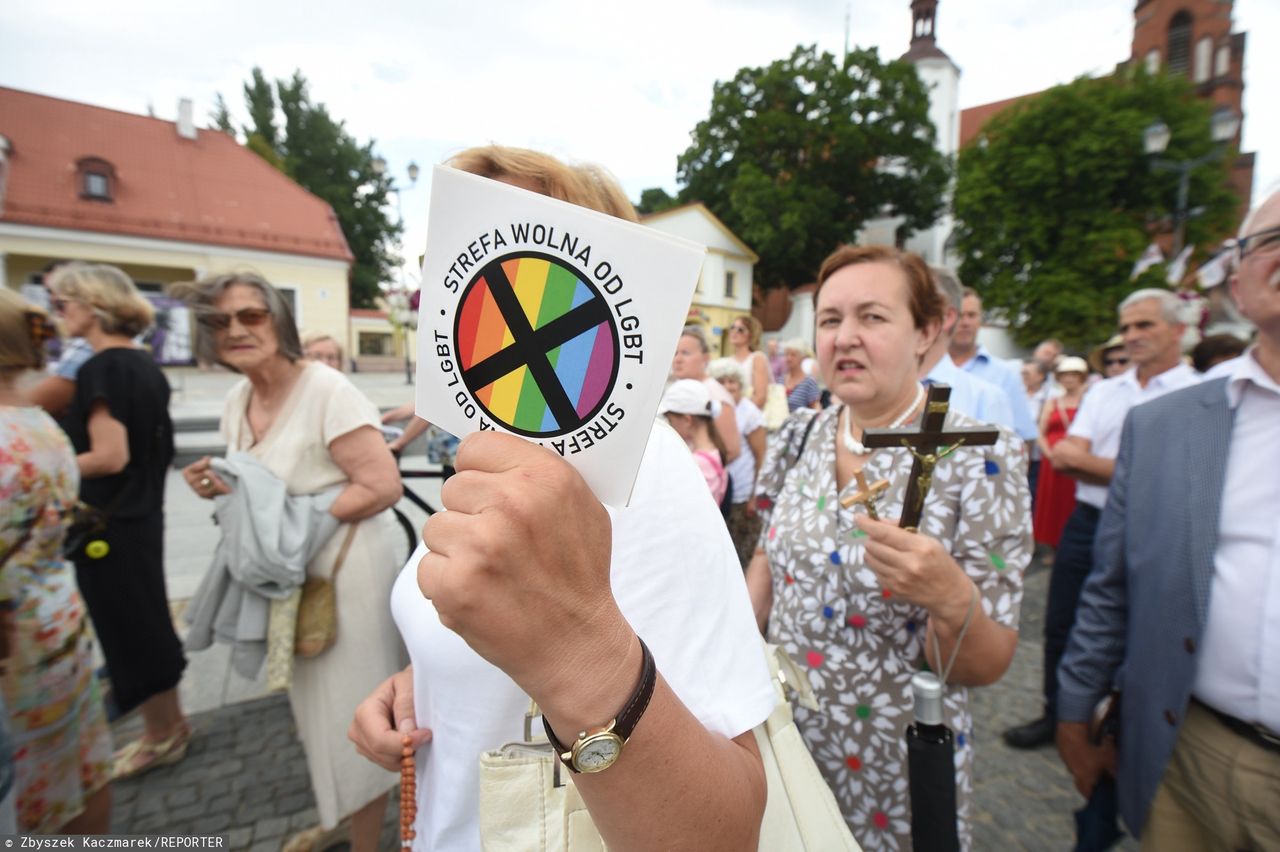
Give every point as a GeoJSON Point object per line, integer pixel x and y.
{"type": "Point", "coordinates": [866, 495]}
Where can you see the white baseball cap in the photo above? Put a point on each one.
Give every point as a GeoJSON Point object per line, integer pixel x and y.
{"type": "Point", "coordinates": [686, 396]}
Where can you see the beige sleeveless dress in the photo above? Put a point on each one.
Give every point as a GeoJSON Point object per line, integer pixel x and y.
{"type": "Point", "coordinates": [322, 406]}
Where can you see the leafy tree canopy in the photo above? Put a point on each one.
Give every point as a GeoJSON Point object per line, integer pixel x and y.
{"type": "Point", "coordinates": [795, 157]}
{"type": "Point", "coordinates": [315, 149]}
{"type": "Point", "coordinates": [1056, 201]}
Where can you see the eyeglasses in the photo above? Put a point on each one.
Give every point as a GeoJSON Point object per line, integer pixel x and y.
{"type": "Point", "coordinates": [737, 328]}
{"type": "Point", "coordinates": [247, 317]}
{"type": "Point", "coordinates": [1116, 362]}
{"type": "Point", "coordinates": [59, 304]}
{"type": "Point", "coordinates": [1262, 242]}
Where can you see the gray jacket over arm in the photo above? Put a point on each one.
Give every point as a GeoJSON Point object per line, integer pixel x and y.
{"type": "Point", "coordinates": [268, 537]}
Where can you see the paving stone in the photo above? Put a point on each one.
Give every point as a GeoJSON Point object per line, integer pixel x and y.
{"type": "Point", "coordinates": [271, 827]}
{"type": "Point", "coordinates": [304, 819]}
{"type": "Point", "coordinates": [293, 803]}
{"type": "Point", "coordinates": [239, 838]}
{"type": "Point", "coordinates": [181, 796]}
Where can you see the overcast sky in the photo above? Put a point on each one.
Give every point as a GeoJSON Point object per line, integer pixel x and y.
{"type": "Point", "coordinates": [621, 84]}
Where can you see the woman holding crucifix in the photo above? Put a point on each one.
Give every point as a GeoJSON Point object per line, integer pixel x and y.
{"type": "Point", "coordinates": [862, 602]}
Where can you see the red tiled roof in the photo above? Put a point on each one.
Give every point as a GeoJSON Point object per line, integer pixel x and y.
{"type": "Point", "coordinates": [204, 190]}
{"type": "Point", "coordinates": [973, 118]}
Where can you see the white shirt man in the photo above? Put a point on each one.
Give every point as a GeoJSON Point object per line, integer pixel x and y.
{"type": "Point", "coordinates": [1152, 333]}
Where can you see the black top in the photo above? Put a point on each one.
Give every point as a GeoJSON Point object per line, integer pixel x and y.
{"type": "Point", "coordinates": [137, 394]}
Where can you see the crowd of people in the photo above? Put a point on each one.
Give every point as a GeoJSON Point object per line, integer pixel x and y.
{"type": "Point", "coordinates": [1135, 471]}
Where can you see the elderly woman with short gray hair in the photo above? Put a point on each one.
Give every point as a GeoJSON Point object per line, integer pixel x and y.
{"type": "Point", "coordinates": [311, 428]}
{"type": "Point", "coordinates": [802, 390]}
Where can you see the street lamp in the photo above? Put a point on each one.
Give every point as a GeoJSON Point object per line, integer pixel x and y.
{"type": "Point", "coordinates": [399, 311]}
{"type": "Point", "coordinates": [1223, 127]}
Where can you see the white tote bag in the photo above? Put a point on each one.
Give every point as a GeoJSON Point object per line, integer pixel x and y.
{"type": "Point", "coordinates": [528, 801]}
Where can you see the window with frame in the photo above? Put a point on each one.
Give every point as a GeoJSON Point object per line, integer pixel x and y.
{"type": "Point", "coordinates": [97, 179]}
{"type": "Point", "coordinates": [376, 343]}
{"type": "Point", "coordinates": [1204, 56]}
{"type": "Point", "coordinates": [1180, 43]}
{"type": "Point", "coordinates": [730, 283]}
{"type": "Point", "coordinates": [1222, 63]}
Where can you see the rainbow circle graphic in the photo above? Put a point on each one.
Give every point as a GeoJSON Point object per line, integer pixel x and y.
{"type": "Point", "coordinates": [536, 343]}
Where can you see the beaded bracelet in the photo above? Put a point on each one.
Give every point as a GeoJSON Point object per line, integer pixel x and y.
{"type": "Point", "coordinates": [408, 793]}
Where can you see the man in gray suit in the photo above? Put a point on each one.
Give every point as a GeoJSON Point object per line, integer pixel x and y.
{"type": "Point", "coordinates": [1182, 610]}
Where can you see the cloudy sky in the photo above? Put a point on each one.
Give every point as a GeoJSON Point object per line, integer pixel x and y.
{"type": "Point", "coordinates": [621, 84]}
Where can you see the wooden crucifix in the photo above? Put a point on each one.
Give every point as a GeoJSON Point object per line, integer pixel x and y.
{"type": "Point", "coordinates": [929, 444]}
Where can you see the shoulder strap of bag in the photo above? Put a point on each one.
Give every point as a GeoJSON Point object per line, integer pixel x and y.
{"type": "Point", "coordinates": [805, 438]}
{"type": "Point", "coordinates": [342, 554]}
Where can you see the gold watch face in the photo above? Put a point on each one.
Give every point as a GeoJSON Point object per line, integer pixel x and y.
{"type": "Point", "coordinates": [597, 752]}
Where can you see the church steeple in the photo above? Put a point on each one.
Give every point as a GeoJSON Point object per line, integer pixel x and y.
{"type": "Point", "coordinates": [924, 19]}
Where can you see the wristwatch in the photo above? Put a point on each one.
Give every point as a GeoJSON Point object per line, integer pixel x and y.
{"type": "Point", "coordinates": [597, 751]}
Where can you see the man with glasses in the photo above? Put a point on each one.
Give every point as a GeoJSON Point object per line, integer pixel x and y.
{"type": "Point", "coordinates": [1181, 611]}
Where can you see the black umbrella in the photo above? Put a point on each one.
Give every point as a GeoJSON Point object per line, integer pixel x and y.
{"type": "Point", "coordinates": [931, 770]}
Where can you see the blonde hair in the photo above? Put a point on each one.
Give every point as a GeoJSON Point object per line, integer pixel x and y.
{"type": "Point", "coordinates": [23, 331]}
{"type": "Point", "coordinates": [584, 184]}
{"type": "Point", "coordinates": [309, 337]}
{"type": "Point", "coordinates": [109, 293]}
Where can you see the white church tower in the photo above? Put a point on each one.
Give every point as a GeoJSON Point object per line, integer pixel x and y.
{"type": "Point", "coordinates": [941, 79]}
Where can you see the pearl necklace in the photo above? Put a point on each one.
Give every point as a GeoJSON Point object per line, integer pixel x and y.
{"type": "Point", "coordinates": [855, 446]}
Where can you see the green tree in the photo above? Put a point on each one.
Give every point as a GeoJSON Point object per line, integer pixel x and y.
{"type": "Point", "coordinates": [1057, 200]}
{"type": "Point", "coordinates": [220, 118]}
{"type": "Point", "coordinates": [260, 100]}
{"type": "Point", "coordinates": [795, 157]}
{"type": "Point", "coordinates": [315, 149]}
{"type": "Point", "coordinates": [655, 200]}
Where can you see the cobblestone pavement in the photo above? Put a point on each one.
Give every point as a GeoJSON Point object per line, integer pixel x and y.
{"type": "Point", "coordinates": [245, 776]}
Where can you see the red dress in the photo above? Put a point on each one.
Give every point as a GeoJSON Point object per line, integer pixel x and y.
{"type": "Point", "coordinates": [1056, 492]}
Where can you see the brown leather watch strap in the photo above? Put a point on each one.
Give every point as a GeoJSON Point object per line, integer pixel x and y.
{"type": "Point", "coordinates": [626, 720]}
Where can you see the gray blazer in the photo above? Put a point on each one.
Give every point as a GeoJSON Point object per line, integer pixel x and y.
{"type": "Point", "coordinates": [1142, 611]}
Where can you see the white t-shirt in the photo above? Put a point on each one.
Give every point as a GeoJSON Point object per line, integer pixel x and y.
{"type": "Point", "coordinates": [677, 579]}
{"type": "Point", "coordinates": [1100, 417]}
{"type": "Point", "coordinates": [743, 469]}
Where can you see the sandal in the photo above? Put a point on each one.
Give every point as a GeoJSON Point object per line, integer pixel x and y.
{"type": "Point", "coordinates": [141, 756]}
{"type": "Point", "coordinates": [317, 839]}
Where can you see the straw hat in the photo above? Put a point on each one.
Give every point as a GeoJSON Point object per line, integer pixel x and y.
{"type": "Point", "coordinates": [1095, 357]}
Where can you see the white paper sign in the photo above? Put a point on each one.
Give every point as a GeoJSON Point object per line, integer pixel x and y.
{"type": "Point", "coordinates": [550, 321]}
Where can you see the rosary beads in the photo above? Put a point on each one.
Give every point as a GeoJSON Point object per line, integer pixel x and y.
{"type": "Point", "coordinates": [408, 793]}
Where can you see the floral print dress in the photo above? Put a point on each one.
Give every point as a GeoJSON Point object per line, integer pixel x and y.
{"type": "Point", "coordinates": [861, 646]}
{"type": "Point", "coordinates": [62, 747]}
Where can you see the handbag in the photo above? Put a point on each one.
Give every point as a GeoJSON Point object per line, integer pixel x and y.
{"type": "Point", "coordinates": [528, 800]}
{"type": "Point", "coordinates": [317, 626]}
{"type": "Point", "coordinates": [776, 409]}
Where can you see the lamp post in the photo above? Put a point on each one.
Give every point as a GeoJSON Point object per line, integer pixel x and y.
{"type": "Point", "coordinates": [399, 311]}
{"type": "Point", "coordinates": [1155, 139]}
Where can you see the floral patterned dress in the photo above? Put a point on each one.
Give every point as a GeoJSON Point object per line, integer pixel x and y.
{"type": "Point", "coordinates": [62, 747]}
{"type": "Point", "coordinates": [860, 646]}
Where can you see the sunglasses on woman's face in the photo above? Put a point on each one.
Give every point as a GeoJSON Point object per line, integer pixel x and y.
{"type": "Point", "coordinates": [59, 305]}
{"type": "Point", "coordinates": [1116, 362]}
{"type": "Point", "coordinates": [247, 317]}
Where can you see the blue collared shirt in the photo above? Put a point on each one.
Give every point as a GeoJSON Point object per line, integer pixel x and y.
{"type": "Point", "coordinates": [971, 395]}
{"type": "Point", "coordinates": [74, 353]}
{"type": "Point", "coordinates": [996, 372]}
